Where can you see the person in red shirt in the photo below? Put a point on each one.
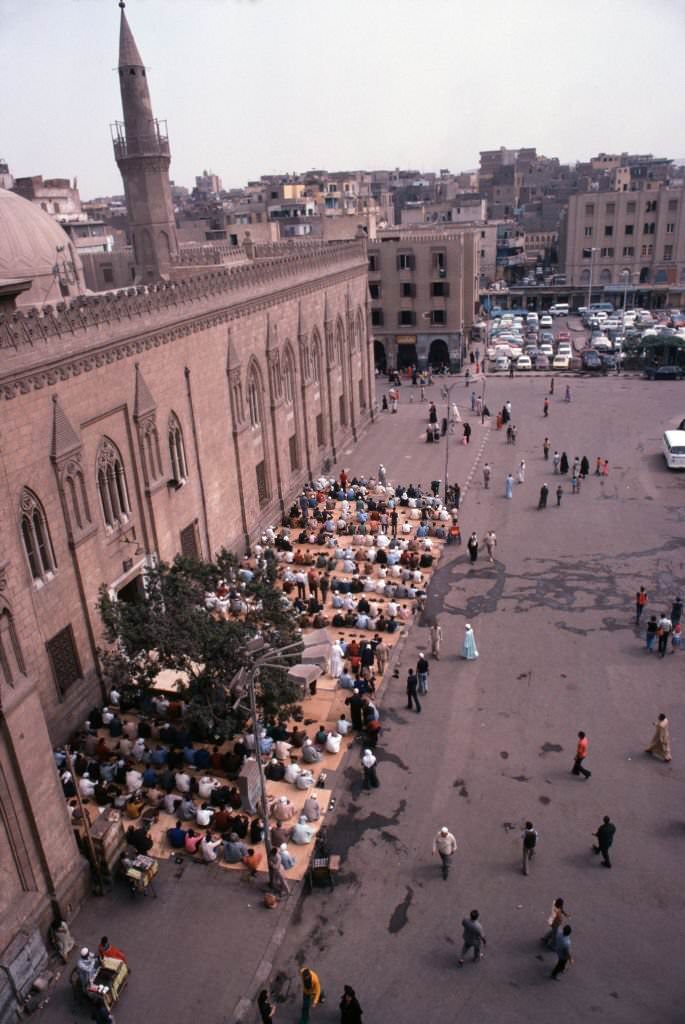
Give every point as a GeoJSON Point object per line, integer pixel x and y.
{"type": "Point", "coordinates": [252, 860]}
{"type": "Point", "coordinates": [107, 949]}
{"type": "Point", "coordinates": [581, 754]}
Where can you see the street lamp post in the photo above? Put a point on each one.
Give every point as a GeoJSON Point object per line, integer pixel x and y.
{"type": "Point", "coordinates": [448, 392]}
{"type": "Point", "coordinates": [268, 658]}
{"type": "Point", "coordinates": [589, 290]}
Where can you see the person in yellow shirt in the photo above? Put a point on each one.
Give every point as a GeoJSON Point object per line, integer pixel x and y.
{"type": "Point", "coordinates": [311, 993]}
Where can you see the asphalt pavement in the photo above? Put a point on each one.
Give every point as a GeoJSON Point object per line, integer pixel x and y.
{"type": "Point", "coordinates": [494, 743]}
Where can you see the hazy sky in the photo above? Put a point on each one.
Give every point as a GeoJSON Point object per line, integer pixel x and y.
{"type": "Point", "coordinates": [251, 87]}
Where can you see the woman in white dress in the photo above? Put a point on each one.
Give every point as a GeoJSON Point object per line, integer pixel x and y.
{"type": "Point", "coordinates": [469, 649]}
{"type": "Point", "coordinates": [521, 475]}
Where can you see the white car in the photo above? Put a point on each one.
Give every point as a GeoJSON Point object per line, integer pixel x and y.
{"type": "Point", "coordinates": [501, 364]}
{"type": "Point", "coordinates": [532, 319]}
{"type": "Point", "coordinates": [546, 321]}
{"type": "Point", "coordinates": [560, 362]}
{"type": "Point", "coordinates": [547, 349]}
{"type": "Point", "coordinates": [564, 349]}
{"type": "Point", "coordinates": [524, 363]}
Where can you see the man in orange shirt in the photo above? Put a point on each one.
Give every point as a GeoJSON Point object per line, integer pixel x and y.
{"type": "Point", "coordinates": [581, 754]}
{"type": "Point", "coordinates": [107, 949]}
{"type": "Point", "coordinates": [252, 860]}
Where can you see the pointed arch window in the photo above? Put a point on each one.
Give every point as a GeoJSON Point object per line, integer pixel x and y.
{"type": "Point", "coordinates": [76, 497]}
{"type": "Point", "coordinates": [254, 397]}
{"type": "Point", "coordinates": [111, 483]}
{"type": "Point", "coordinates": [316, 361]}
{"type": "Point", "coordinates": [36, 538]}
{"type": "Point", "coordinates": [179, 466]}
{"type": "Point", "coordinates": [288, 378]}
{"type": "Point", "coordinates": [11, 658]}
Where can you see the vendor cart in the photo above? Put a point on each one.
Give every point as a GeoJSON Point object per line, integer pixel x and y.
{"type": "Point", "coordinates": [107, 984]}
{"type": "Point", "coordinates": [139, 872]}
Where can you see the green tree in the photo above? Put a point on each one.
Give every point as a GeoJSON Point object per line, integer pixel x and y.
{"type": "Point", "coordinates": [172, 629]}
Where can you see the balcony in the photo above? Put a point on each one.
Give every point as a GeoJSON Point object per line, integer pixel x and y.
{"type": "Point", "coordinates": [151, 141]}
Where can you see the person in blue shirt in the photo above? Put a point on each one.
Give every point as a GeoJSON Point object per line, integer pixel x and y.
{"type": "Point", "coordinates": [149, 777]}
{"type": "Point", "coordinates": [176, 836]}
{"type": "Point", "coordinates": [201, 758]}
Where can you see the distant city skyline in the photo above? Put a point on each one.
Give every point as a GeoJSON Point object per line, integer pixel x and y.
{"type": "Point", "coordinates": [252, 87]}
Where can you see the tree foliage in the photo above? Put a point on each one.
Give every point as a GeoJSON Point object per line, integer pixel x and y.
{"type": "Point", "coordinates": [172, 629]}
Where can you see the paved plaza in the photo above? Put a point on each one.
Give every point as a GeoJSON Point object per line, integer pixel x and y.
{"type": "Point", "coordinates": [493, 746]}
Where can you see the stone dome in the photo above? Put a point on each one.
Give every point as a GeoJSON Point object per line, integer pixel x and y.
{"type": "Point", "coordinates": [34, 246]}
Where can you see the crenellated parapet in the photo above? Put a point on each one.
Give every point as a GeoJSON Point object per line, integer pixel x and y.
{"type": "Point", "coordinates": [40, 346]}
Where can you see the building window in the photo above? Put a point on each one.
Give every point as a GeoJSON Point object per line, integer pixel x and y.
{"type": "Point", "coordinates": [342, 409]}
{"type": "Point", "coordinates": [376, 317]}
{"type": "Point", "coordinates": [440, 289]}
{"type": "Point", "coordinates": [606, 253]}
{"type": "Point", "coordinates": [375, 290]}
{"type": "Point", "coordinates": [362, 395]}
{"type": "Point", "coordinates": [628, 250]}
{"type": "Point", "coordinates": [672, 205]}
{"type": "Point", "coordinates": [107, 274]}
{"type": "Point", "coordinates": [254, 398]}
{"type": "Point", "coordinates": [648, 228]}
{"type": "Point", "coordinates": [611, 209]}
{"type": "Point", "coordinates": [438, 316]}
{"type": "Point", "coordinates": [294, 455]}
{"type": "Point", "coordinates": [288, 378]}
{"type": "Point", "coordinates": [405, 261]}
{"type": "Point", "coordinates": [262, 485]}
{"type": "Point", "coordinates": [588, 232]}
{"type": "Point", "coordinates": [651, 206]}
{"type": "Point", "coordinates": [76, 496]}
{"type": "Point", "coordinates": [670, 229]}
{"type": "Point", "coordinates": [407, 289]}
{"type": "Point", "coordinates": [668, 252]}
{"type": "Point", "coordinates": [629, 229]}
{"type": "Point", "coordinates": [152, 458]}
{"type": "Point", "coordinates": [179, 467]}
{"type": "Point", "coordinates": [64, 659]}
{"type": "Point", "coordinates": [320, 435]}
{"type": "Point", "coordinates": [608, 230]}
{"type": "Point", "coordinates": [373, 262]}
{"type": "Point", "coordinates": [111, 482]}
{"type": "Point", "coordinates": [406, 318]}
{"type": "Point", "coordinates": [11, 657]}
{"type": "Point", "coordinates": [630, 207]}
{"type": "Point", "coordinates": [589, 209]}
{"type": "Point", "coordinates": [190, 541]}
{"type": "Point", "coordinates": [439, 260]}
{"type": "Point", "coordinates": [36, 538]}
{"type": "Point", "coordinates": [646, 250]}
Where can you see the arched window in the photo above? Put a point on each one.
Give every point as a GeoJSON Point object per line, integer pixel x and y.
{"type": "Point", "coordinates": [36, 537]}
{"type": "Point", "coordinates": [179, 467]}
{"type": "Point", "coordinates": [11, 658]}
{"type": "Point", "coordinates": [316, 359]}
{"type": "Point", "coordinates": [585, 277]}
{"type": "Point", "coordinates": [76, 496]}
{"type": "Point", "coordinates": [111, 482]}
{"type": "Point", "coordinates": [254, 396]}
{"type": "Point", "coordinates": [605, 277]}
{"type": "Point", "coordinates": [288, 377]}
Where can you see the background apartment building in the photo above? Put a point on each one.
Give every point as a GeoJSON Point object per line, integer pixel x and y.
{"type": "Point", "coordinates": [634, 238]}
{"type": "Point", "coordinates": [424, 295]}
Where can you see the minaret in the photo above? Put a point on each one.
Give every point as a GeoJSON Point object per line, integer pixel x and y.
{"type": "Point", "coordinates": [141, 149]}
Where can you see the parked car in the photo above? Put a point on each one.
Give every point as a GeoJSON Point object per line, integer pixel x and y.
{"type": "Point", "coordinates": [563, 335]}
{"type": "Point", "coordinates": [609, 361]}
{"type": "Point", "coordinates": [541, 361]}
{"type": "Point", "coordinates": [664, 372]}
{"type": "Point", "coordinates": [561, 362]}
{"type": "Point", "coordinates": [524, 363]}
{"type": "Point", "coordinates": [564, 349]}
{"type": "Point", "coordinates": [501, 364]}
{"type": "Point", "coordinates": [560, 309]}
{"type": "Point", "coordinates": [547, 336]}
{"type": "Point", "coordinates": [591, 360]}
{"type": "Point", "coordinates": [547, 349]}
{"type": "Point", "coordinates": [546, 320]}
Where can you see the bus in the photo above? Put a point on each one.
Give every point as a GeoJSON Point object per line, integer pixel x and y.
{"type": "Point", "coordinates": [674, 448]}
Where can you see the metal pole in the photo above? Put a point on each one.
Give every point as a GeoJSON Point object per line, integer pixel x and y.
{"type": "Point", "coordinates": [86, 824]}
{"type": "Point", "coordinates": [264, 807]}
{"type": "Point", "coordinates": [589, 290]}
{"type": "Point", "coordinates": [447, 439]}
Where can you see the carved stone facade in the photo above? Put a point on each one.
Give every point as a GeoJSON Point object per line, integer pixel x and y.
{"type": "Point", "coordinates": [180, 418]}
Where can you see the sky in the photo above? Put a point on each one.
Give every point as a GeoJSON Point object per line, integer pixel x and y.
{"type": "Point", "coordinates": [251, 87]}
